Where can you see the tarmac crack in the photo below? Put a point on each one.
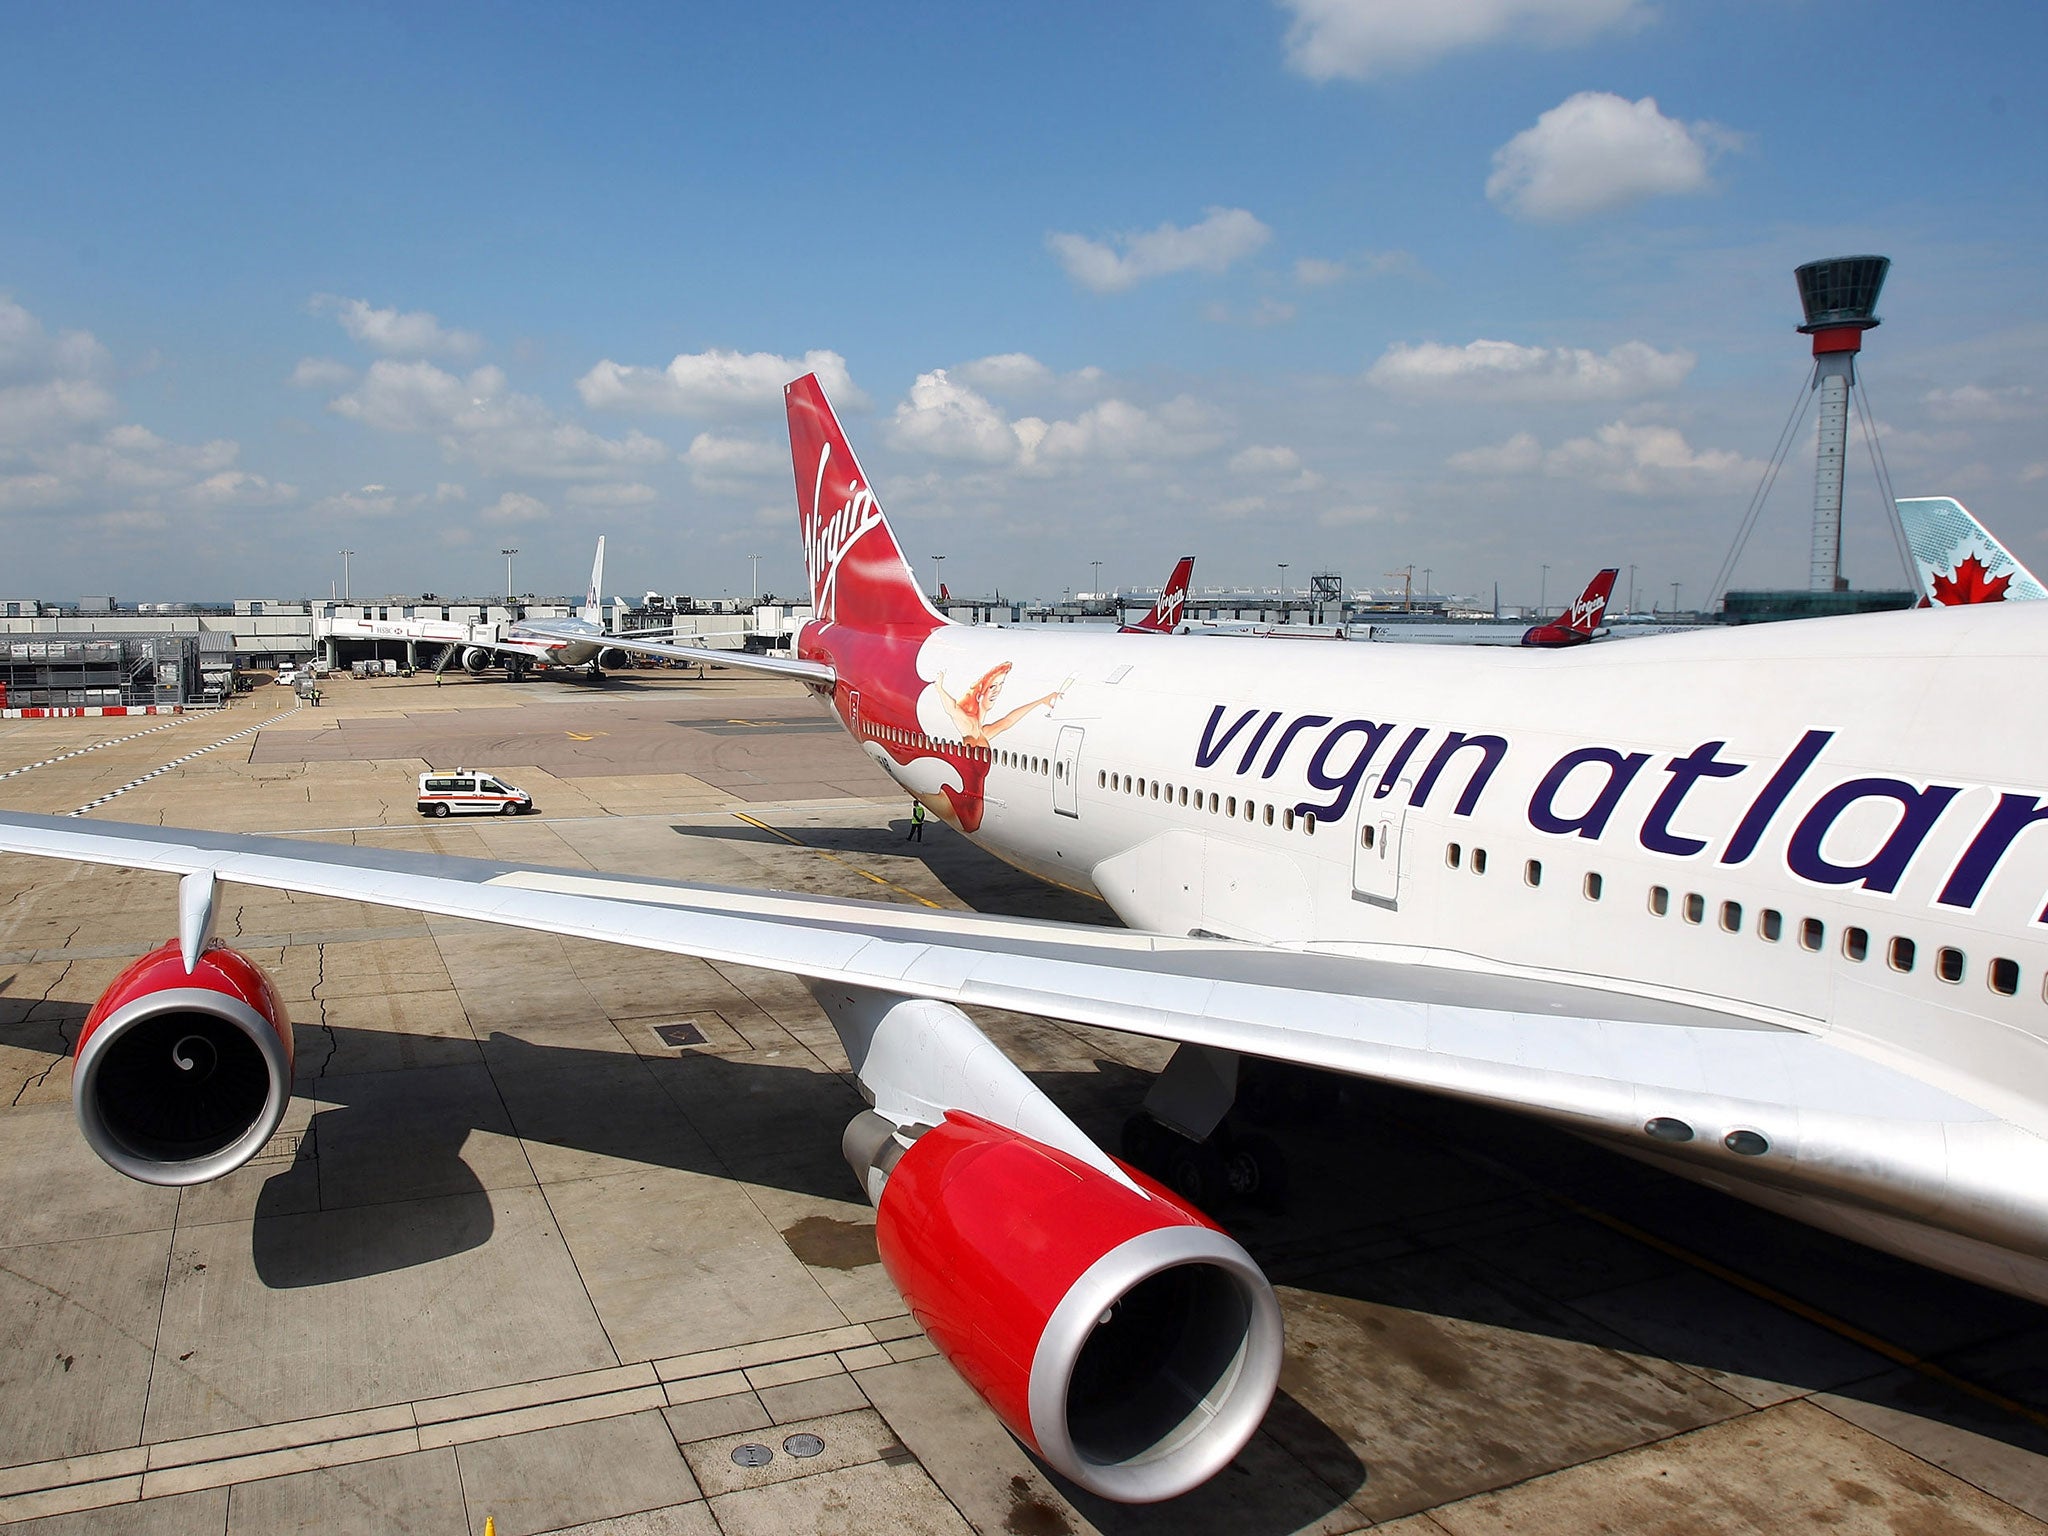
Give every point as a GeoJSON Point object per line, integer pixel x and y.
{"type": "Point", "coordinates": [63, 1036]}
{"type": "Point", "coordinates": [325, 1028]}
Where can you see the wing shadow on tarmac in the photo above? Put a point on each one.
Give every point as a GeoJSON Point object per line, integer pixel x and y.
{"type": "Point", "coordinates": [978, 878]}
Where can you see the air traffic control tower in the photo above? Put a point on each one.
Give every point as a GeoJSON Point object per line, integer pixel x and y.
{"type": "Point", "coordinates": [1839, 296]}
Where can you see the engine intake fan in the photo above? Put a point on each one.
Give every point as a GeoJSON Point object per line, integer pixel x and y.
{"type": "Point", "coordinates": [182, 1077]}
{"type": "Point", "coordinates": [1117, 1332]}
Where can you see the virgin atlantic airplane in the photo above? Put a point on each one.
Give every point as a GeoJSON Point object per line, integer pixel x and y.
{"type": "Point", "coordinates": [1764, 907]}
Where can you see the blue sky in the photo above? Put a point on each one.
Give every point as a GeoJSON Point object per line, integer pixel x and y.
{"type": "Point", "coordinates": [1354, 284]}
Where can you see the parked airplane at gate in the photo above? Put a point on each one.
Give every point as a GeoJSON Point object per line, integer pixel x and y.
{"type": "Point", "coordinates": [580, 642]}
{"type": "Point", "coordinates": [1767, 907]}
{"type": "Point", "coordinates": [1957, 560]}
{"type": "Point", "coordinates": [1580, 622]}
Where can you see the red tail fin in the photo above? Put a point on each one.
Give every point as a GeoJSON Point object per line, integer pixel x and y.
{"type": "Point", "coordinates": [1584, 615]}
{"type": "Point", "coordinates": [1171, 608]}
{"type": "Point", "coordinates": [858, 574]}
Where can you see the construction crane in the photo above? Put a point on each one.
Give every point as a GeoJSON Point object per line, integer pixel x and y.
{"type": "Point", "coordinates": [1407, 575]}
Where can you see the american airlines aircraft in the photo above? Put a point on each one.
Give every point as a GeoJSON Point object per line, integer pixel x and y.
{"type": "Point", "coordinates": [576, 642]}
{"type": "Point", "coordinates": [1767, 907]}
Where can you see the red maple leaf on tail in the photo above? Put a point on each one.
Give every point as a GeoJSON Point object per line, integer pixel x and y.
{"type": "Point", "coordinates": [1970, 584]}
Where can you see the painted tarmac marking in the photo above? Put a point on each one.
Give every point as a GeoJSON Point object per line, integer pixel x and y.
{"type": "Point", "coordinates": [178, 762]}
{"type": "Point", "coordinates": [865, 874]}
{"type": "Point", "coordinates": [96, 746]}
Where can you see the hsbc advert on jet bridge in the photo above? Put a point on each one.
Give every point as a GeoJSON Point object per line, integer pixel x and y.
{"type": "Point", "coordinates": [1579, 793]}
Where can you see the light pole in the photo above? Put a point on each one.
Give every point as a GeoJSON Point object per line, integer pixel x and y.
{"type": "Point", "coordinates": [344, 573]}
{"type": "Point", "coordinates": [1095, 577]}
{"type": "Point", "coordinates": [937, 562]}
{"type": "Point", "coordinates": [1426, 570]}
{"type": "Point", "coordinates": [508, 554]}
{"type": "Point", "coordinates": [1674, 599]}
{"type": "Point", "coordinates": [1543, 594]}
{"type": "Point", "coordinates": [757, 576]}
{"type": "Point", "coordinates": [1283, 591]}
{"type": "Point", "coordinates": [1631, 589]}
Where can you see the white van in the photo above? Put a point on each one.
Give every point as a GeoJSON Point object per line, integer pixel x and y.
{"type": "Point", "coordinates": [467, 791]}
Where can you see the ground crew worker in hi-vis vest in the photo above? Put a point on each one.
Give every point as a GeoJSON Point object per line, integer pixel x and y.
{"type": "Point", "coordinates": [916, 833]}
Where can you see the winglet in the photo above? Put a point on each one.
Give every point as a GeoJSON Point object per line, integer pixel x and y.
{"type": "Point", "coordinates": [858, 574]}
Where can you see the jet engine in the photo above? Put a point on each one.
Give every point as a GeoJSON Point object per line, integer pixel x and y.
{"type": "Point", "coordinates": [181, 1077]}
{"type": "Point", "coordinates": [476, 659]}
{"type": "Point", "coordinates": [611, 659]}
{"type": "Point", "coordinates": [1115, 1331]}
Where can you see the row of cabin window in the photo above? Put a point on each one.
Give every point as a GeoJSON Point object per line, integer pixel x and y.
{"type": "Point", "coordinates": [2002, 975]}
{"type": "Point", "coordinates": [1216, 805]}
{"type": "Point", "coordinates": [1902, 954]}
{"type": "Point", "coordinates": [1002, 759]}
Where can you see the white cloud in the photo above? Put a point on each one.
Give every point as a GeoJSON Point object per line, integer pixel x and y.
{"type": "Point", "coordinates": [619, 497]}
{"type": "Point", "coordinates": [1519, 455]}
{"type": "Point", "coordinates": [737, 457]}
{"type": "Point", "coordinates": [2034, 472]}
{"type": "Point", "coordinates": [321, 373]}
{"type": "Point", "coordinates": [1314, 272]}
{"type": "Point", "coordinates": [1597, 151]}
{"type": "Point", "coordinates": [515, 507]}
{"type": "Point", "coordinates": [1224, 237]}
{"type": "Point", "coordinates": [713, 383]}
{"type": "Point", "coordinates": [1637, 458]}
{"type": "Point", "coordinates": [1973, 402]}
{"type": "Point", "coordinates": [948, 420]}
{"type": "Point", "coordinates": [1259, 460]}
{"type": "Point", "coordinates": [944, 418]}
{"type": "Point", "coordinates": [63, 451]}
{"type": "Point", "coordinates": [1359, 39]}
{"type": "Point", "coordinates": [412, 333]}
{"type": "Point", "coordinates": [478, 418]}
{"type": "Point", "coordinates": [1006, 373]}
{"type": "Point", "coordinates": [1502, 370]}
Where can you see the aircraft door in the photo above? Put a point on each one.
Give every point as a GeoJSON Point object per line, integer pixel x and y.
{"type": "Point", "coordinates": [1066, 770]}
{"type": "Point", "coordinates": [1376, 844]}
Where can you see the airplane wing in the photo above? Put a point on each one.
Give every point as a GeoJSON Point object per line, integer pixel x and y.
{"type": "Point", "coordinates": [777, 666]}
{"type": "Point", "coordinates": [1612, 1062]}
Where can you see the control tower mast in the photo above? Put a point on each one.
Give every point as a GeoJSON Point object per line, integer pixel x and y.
{"type": "Point", "coordinates": [1838, 295]}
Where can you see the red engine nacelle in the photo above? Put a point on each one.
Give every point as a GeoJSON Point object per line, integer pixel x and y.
{"type": "Point", "coordinates": [1126, 1339]}
{"type": "Point", "coordinates": [182, 1077]}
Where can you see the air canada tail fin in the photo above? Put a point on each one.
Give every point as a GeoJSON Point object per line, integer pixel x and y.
{"type": "Point", "coordinates": [858, 574]}
{"type": "Point", "coordinates": [1957, 560]}
{"type": "Point", "coordinates": [1171, 609]}
{"type": "Point", "coordinates": [593, 600]}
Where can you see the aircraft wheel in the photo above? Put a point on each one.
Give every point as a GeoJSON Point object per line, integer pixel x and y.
{"type": "Point", "coordinates": [1196, 1173]}
{"type": "Point", "coordinates": [440, 810]}
{"type": "Point", "coordinates": [1256, 1171]}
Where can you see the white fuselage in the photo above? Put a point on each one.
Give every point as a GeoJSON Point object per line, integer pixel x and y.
{"type": "Point", "coordinates": [1824, 826]}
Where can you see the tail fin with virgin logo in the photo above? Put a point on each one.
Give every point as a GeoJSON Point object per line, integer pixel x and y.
{"type": "Point", "coordinates": [859, 577]}
{"type": "Point", "coordinates": [1168, 613]}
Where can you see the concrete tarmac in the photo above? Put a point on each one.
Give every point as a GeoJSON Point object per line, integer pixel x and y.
{"type": "Point", "coordinates": [554, 1229]}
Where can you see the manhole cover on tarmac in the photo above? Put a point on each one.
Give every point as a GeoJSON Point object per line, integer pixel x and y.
{"type": "Point", "coordinates": [803, 1445]}
{"type": "Point", "coordinates": [752, 1455]}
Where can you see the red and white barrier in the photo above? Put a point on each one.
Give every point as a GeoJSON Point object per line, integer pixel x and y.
{"type": "Point", "coordinates": [77, 711]}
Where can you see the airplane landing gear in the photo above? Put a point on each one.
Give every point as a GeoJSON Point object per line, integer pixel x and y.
{"type": "Point", "coordinates": [1221, 1170]}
